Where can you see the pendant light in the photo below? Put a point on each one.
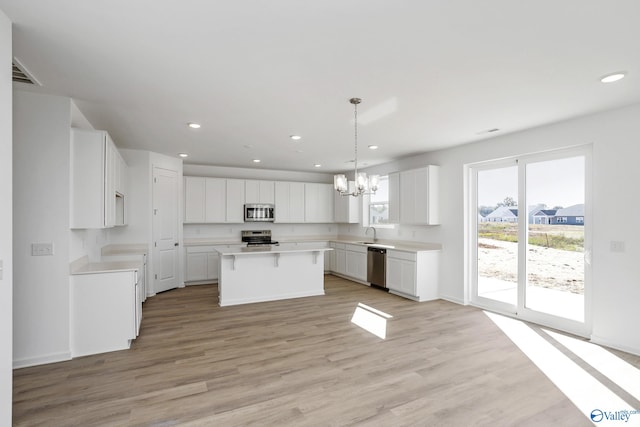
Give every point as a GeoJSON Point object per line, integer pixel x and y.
{"type": "Point", "coordinates": [363, 185]}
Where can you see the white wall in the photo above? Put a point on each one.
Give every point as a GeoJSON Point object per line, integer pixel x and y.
{"type": "Point", "coordinates": [41, 214]}
{"type": "Point", "coordinates": [6, 282]}
{"type": "Point", "coordinates": [615, 136]}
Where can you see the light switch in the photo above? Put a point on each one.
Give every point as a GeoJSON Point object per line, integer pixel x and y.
{"type": "Point", "coordinates": [41, 249]}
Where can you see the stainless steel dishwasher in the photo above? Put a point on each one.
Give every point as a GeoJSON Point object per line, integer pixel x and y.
{"type": "Point", "coordinates": [377, 266]}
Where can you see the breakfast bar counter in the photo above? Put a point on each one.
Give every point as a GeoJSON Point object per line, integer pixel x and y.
{"type": "Point", "coordinates": [257, 274]}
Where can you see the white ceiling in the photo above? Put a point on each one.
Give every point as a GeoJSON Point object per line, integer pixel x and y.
{"type": "Point", "coordinates": [432, 74]}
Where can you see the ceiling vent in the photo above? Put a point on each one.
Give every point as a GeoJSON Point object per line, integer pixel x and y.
{"type": "Point", "coordinates": [22, 75]}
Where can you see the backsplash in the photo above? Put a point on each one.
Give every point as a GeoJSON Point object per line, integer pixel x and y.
{"type": "Point", "coordinates": [408, 233]}
{"type": "Point", "coordinates": [88, 243]}
{"type": "Point", "coordinates": [228, 232]}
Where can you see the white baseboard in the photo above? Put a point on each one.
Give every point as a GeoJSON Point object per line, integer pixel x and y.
{"type": "Point", "coordinates": [41, 360]}
{"type": "Point", "coordinates": [607, 343]}
{"type": "Point", "coordinates": [349, 278]}
{"type": "Point", "coordinates": [452, 299]}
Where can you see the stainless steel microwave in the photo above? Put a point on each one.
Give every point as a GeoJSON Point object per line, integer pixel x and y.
{"type": "Point", "coordinates": [254, 212]}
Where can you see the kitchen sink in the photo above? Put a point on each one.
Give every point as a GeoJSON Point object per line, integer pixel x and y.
{"type": "Point", "coordinates": [378, 245]}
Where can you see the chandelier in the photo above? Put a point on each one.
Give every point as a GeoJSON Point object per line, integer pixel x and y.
{"type": "Point", "coordinates": [363, 185]}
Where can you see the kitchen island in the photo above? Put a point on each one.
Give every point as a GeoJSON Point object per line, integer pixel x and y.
{"type": "Point", "coordinates": [257, 274]}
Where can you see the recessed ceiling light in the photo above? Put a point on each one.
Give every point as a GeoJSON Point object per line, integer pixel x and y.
{"type": "Point", "coordinates": [183, 155]}
{"type": "Point", "coordinates": [194, 125]}
{"type": "Point", "coordinates": [295, 137]}
{"type": "Point", "coordinates": [317, 165]}
{"type": "Point", "coordinates": [613, 77]}
{"type": "Point", "coordinates": [373, 147]}
{"type": "Point", "coordinates": [256, 160]}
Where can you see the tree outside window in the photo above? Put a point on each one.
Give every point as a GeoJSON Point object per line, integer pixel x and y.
{"type": "Point", "coordinates": [379, 203]}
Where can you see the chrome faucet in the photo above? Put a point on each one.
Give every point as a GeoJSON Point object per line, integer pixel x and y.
{"type": "Point", "coordinates": [375, 239]}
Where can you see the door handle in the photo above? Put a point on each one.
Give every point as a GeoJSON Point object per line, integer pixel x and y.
{"type": "Point", "coordinates": [175, 244]}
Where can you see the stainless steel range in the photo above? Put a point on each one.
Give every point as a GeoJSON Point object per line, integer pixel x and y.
{"type": "Point", "coordinates": [258, 238]}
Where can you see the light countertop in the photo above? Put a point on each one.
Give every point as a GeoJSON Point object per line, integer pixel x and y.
{"type": "Point", "coordinates": [105, 267]}
{"type": "Point", "coordinates": [398, 245]}
{"type": "Point", "coordinates": [125, 249]}
{"type": "Point", "coordinates": [257, 250]}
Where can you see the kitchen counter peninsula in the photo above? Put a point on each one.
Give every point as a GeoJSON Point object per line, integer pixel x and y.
{"type": "Point", "coordinates": [258, 274]}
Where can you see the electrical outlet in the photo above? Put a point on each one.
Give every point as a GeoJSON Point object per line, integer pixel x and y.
{"type": "Point", "coordinates": [617, 246]}
{"type": "Point", "coordinates": [41, 249]}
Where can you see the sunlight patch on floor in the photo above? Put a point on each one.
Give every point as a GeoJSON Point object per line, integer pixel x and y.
{"type": "Point", "coordinates": [626, 376]}
{"type": "Point", "coordinates": [371, 320]}
{"type": "Point", "coordinates": [589, 395]}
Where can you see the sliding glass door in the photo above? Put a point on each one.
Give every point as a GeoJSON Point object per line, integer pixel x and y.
{"type": "Point", "coordinates": [497, 235]}
{"type": "Point", "coordinates": [555, 234]}
{"type": "Point", "coordinates": [529, 238]}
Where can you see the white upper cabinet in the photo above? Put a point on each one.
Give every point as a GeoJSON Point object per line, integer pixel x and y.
{"type": "Point", "coordinates": [289, 202]}
{"type": "Point", "coordinates": [419, 196]}
{"type": "Point", "coordinates": [194, 199]}
{"type": "Point", "coordinates": [220, 200]}
{"type": "Point", "coordinates": [213, 200]}
{"type": "Point", "coordinates": [235, 200]}
{"type": "Point", "coordinates": [318, 202]}
{"type": "Point", "coordinates": [259, 191]}
{"type": "Point", "coordinates": [215, 208]}
{"type": "Point", "coordinates": [394, 198]}
{"type": "Point", "coordinates": [98, 177]}
{"type": "Point", "coordinates": [346, 208]}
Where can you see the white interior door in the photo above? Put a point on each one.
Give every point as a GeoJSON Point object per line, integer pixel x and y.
{"type": "Point", "coordinates": [165, 229]}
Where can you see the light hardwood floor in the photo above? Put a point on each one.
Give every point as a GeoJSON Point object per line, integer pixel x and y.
{"type": "Point", "coordinates": [299, 362]}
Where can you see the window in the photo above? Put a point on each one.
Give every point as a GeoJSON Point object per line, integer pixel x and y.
{"type": "Point", "coordinates": [580, 220]}
{"type": "Point", "coordinates": [379, 203]}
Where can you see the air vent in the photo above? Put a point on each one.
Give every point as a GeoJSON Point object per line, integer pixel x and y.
{"type": "Point", "coordinates": [21, 75]}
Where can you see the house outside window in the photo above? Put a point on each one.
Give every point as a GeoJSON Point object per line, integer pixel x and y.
{"type": "Point", "coordinates": [562, 220]}
{"type": "Point", "coordinates": [379, 203]}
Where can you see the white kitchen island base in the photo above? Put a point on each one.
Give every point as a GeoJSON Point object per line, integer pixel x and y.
{"type": "Point", "coordinates": [269, 275]}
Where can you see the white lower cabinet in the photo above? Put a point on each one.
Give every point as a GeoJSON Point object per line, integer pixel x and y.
{"type": "Point", "coordinates": [106, 310]}
{"type": "Point", "coordinates": [356, 262]}
{"type": "Point", "coordinates": [340, 259]}
{"type": "Point", "coordinates": [196, 267]}
{"type": "Point", "coordinates": [349, 261]}
{"type": "Point", "coordinates": [413, 274]}
{"type": "Point", "coordinates": [201, 264]}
